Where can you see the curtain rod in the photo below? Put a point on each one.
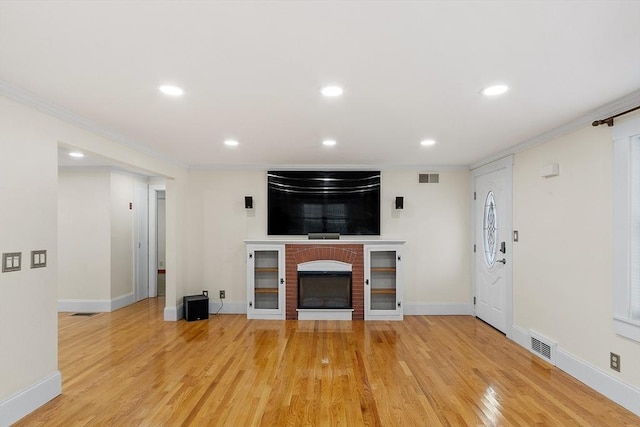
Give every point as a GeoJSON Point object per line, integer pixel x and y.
{"type": "Point", "coordinates": [609, 120]}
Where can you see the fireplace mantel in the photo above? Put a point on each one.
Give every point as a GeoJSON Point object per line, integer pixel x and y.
{"type": "Point", "coordinates": [324, 242]}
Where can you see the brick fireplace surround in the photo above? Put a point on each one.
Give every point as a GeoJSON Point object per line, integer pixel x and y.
{"type": "Point", "coordinates": [349, 253]}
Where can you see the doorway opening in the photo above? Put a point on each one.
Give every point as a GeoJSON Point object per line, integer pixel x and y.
{"type": "Point", "coordinates": [157, 240]}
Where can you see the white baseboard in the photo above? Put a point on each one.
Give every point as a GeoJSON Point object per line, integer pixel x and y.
{"type": "Point", "coordinates": [84, 305]}
{"type": "Point", "coordinates": [95, 305]}
{"type": "Point", "coordinates": [28, 400]}
{"type": "Point", "coordinates": [173, 314]}
{"type": "Point", "coordinates": [122, 301]}
{"type": "Point", "coordinates": [520, 336]}
{"type": "Point", "coordinates": [438, 309]}
{"type": "Point", "coordinates": [623, 394]}
{"type": "Point", "coordinates": [227, 307]}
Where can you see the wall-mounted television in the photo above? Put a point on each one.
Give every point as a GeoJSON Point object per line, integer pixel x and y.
{"type": "Point", "coordinates": [303, 202]}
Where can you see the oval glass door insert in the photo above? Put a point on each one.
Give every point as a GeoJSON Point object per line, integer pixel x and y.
{"type": "Point", "coordinates": [490, 229]}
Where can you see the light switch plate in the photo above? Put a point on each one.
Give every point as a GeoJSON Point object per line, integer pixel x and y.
{"type": "Point", "coordinates": [11, 261]}
{"type": "Point", "coordinates": [39, 258]}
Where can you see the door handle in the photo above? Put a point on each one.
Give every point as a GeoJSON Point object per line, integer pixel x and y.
{"type": "Point", "coordinates": [503, 260]}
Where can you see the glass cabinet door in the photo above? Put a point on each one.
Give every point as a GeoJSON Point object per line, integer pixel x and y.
{"type": "Point", "coordinates": [266, 280]}
{"type": "Point", "coordinates": [383, 291]}
{"type": "Point", "coordinates": [383, 280]}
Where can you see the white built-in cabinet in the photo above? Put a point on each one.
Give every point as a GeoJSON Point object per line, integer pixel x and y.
{"type": "Point", "coordinates": [383, 282]}
{"type": "Point", "coordinates": [266, 288]}
{"type": "Point", "coordinates": [265, 282]}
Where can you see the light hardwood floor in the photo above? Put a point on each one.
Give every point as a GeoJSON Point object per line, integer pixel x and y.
{"type": "Point", "coordinates": [130, 368]}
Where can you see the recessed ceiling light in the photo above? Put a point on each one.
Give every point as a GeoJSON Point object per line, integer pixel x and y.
{"type": "Point", "coordinates": [329, 142]}
{"type": "Point", "coordinates": [231, 143]}
{"type": "Point", "coordinates": [76, 154]}
{"type": "Point", "coordinates": [427, 142]}
{"type": "Point", "coordinates": [171, 90]}
{"type": "Point", "coordinates": [495, 90]}
{"type": "Point", "coordinates": [331, 91]}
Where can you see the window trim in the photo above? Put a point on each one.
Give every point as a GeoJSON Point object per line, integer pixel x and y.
{"type": "Point", "coordinates": [623, 133]}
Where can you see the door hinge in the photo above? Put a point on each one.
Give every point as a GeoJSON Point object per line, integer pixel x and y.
{"type": "Point", "coordinates": [474, 195]}
{"type": "Point", "coordinates": [474, 300]}
{"type": "Point", "coordinates": [474, 248]}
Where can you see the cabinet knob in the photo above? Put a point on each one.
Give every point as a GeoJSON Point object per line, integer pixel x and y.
{"type": "Point", "coordinates": [282, 281]}
{"type": "Point", "coordinates": [250, 255]}
{"type": "Point", "coordinates": [366, 282]}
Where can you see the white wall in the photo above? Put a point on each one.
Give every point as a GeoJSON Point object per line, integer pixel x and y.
{"type": "Point", "coordinates": [28, 221]}
{"type": "Point", "coordinates": [177, 207]}
{"type": "Point", "coordinates": [563, 263]}
{"type": "Point", "coordinates": [122, 234]}
{"type": "Point", "coordinates": [218, 224]}
{"type": "Point", "coordinates": [84, 235]}
{"type": "Point", "coordinates": [29, 141]}
{"type": "Point", "coordinates": [96, 238]}
{"type": "Point", "coordinates": [434, 222]}
{"type": "Point", "coordinates": [435, 225]}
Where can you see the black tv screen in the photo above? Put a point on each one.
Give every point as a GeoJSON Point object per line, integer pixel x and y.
{"type": "Point", "coordinates": [303, 202]}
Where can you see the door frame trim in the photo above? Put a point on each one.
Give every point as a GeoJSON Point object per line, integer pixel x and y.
{"type": "Point", "coordinates": [507, 164]}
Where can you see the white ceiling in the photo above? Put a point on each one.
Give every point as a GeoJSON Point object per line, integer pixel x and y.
{"type": "Point", "coordinates": [252, 71]}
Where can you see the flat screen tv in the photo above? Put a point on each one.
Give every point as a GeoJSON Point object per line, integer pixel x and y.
{"type": "Point", "coordinates": [303, 202]}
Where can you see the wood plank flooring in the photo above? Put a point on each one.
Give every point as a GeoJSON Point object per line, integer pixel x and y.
{"type": "Point", "coordinates": [130, 368]}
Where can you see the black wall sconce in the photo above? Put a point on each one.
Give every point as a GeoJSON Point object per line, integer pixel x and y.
{"type": "Point", "coordinates": [399, 202]}
{"type": "Point", "coordinates": [248, 202]}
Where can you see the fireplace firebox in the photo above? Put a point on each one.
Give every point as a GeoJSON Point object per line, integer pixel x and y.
{"type": "Point", "coordinates": [324, 289]}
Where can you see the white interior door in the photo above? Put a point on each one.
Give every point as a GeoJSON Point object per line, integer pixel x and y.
{"type": "Point", "coordinates": [492, 244]}
{"type": "Point", "coordinates": [141, 233]}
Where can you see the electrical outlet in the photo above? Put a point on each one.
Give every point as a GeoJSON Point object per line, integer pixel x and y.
{"type": "Point", "coordinates": [222, 294]}
{"type": "Point", "coordinates": [614, 361]}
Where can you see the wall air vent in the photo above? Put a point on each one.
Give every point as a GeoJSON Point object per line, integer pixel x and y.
{"type": "Point", "coordinates": [429, 178]}
{"type": "Point", "coordinates": [543, 347]}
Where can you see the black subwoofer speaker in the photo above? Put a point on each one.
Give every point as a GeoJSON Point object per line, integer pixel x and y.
{"type": "Point", "coordinates": [196, 307]}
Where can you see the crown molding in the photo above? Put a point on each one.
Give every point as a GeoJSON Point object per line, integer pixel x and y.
{"type": "Point", "coordinates": [612, 108]}
{"type": "Point", "coordinates": [29, 99]}
{"type": "Point", "coordinates": [421, 168]}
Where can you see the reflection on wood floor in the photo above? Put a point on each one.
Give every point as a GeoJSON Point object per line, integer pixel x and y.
{"type": "Point", "coordinates": [131, 368]}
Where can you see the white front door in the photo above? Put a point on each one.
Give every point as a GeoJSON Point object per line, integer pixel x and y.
{"type": "Point", "coordinates": [492, 244]}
